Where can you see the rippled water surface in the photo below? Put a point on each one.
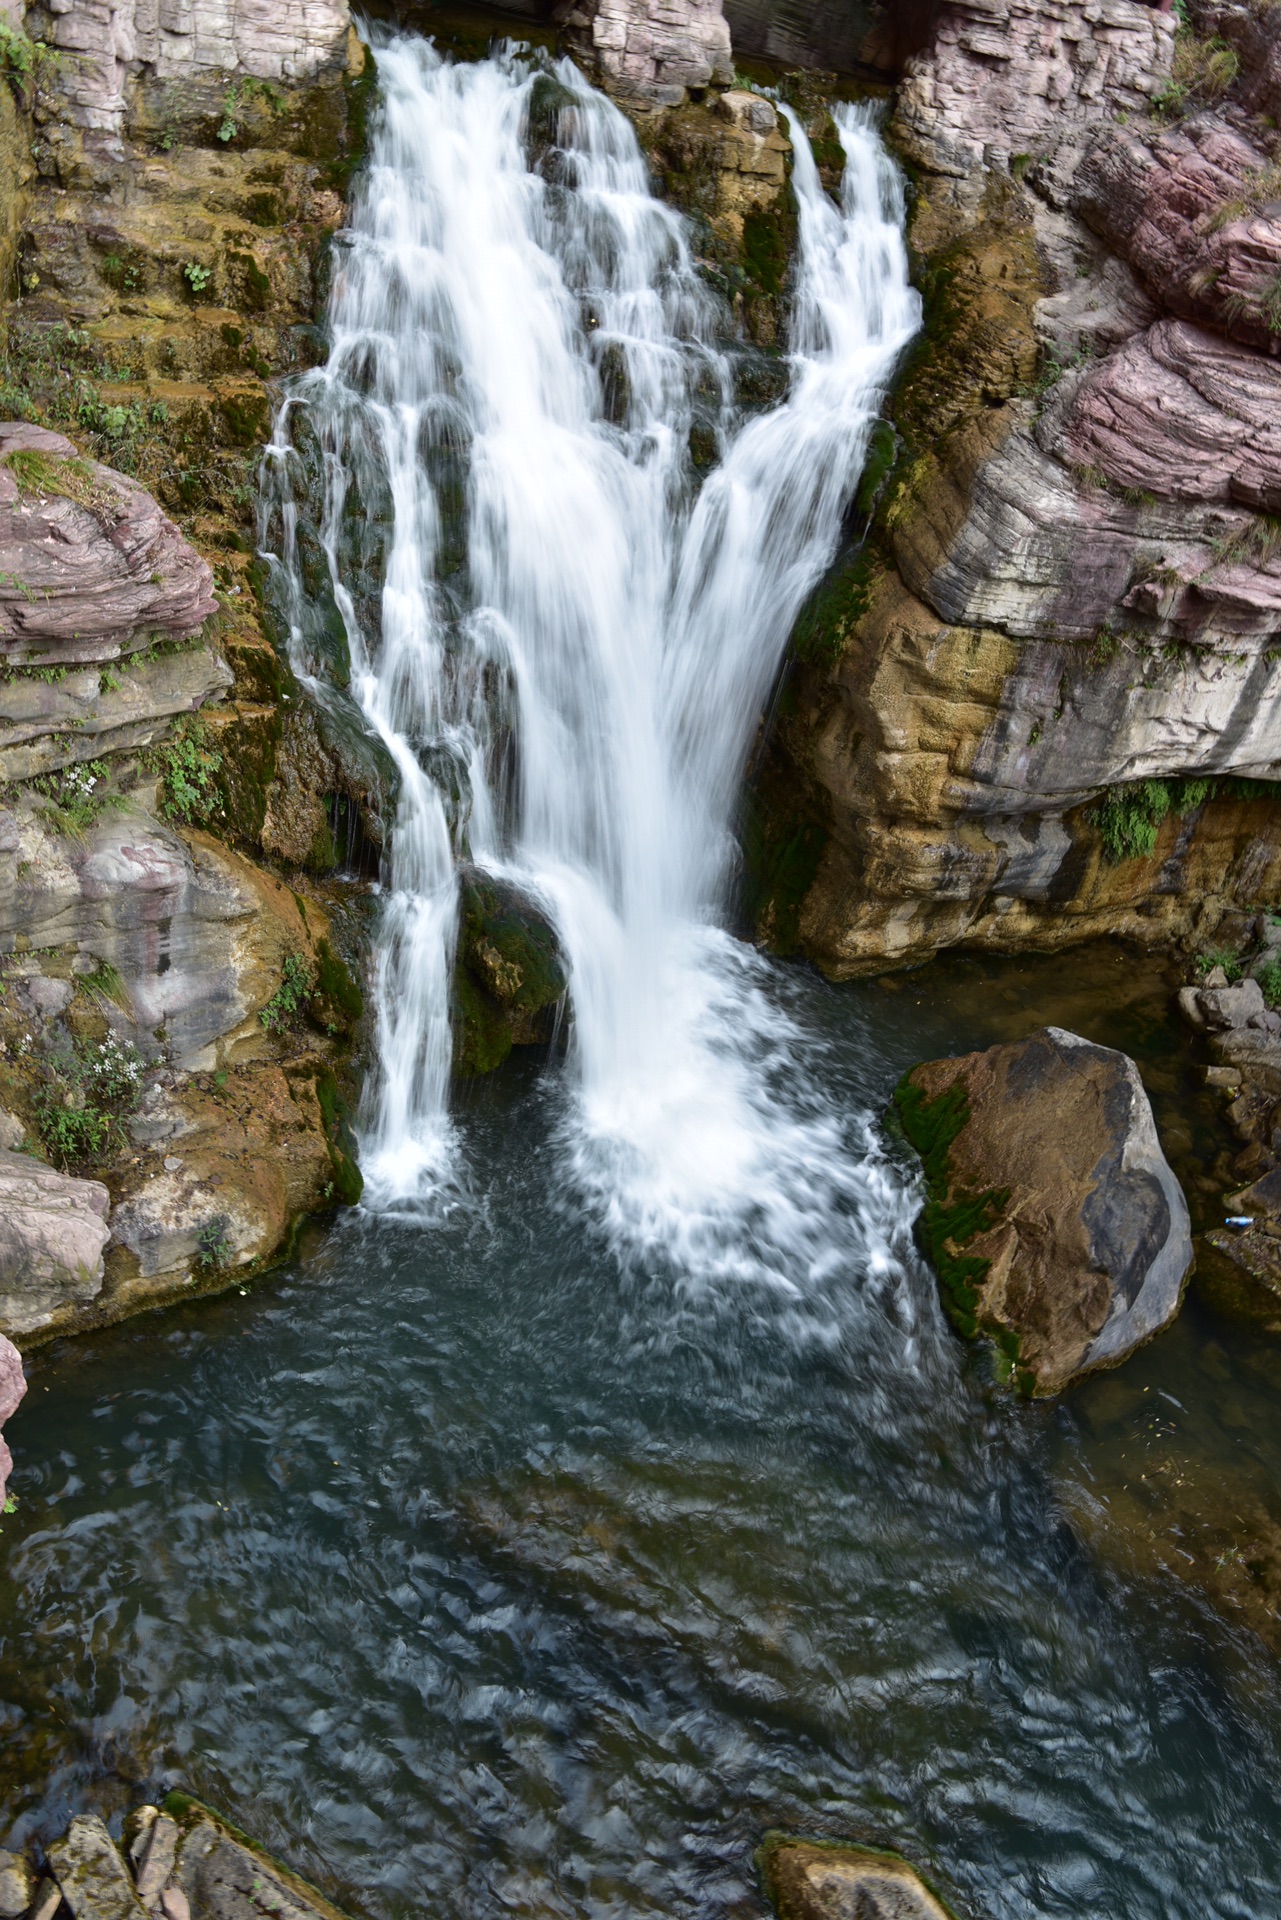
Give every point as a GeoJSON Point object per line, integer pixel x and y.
{"type": "Point", "coordinates": [481, 1574]}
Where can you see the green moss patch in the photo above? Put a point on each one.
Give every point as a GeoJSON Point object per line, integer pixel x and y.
{"type": "Point", "coordinates": [1129, 818]}
{"type": "Point", "coordinates": [951, 1217]}
{"type": "Point", "coordinates": [508, 978]}
{"type": "Point", "coordinates": [348, 1181]}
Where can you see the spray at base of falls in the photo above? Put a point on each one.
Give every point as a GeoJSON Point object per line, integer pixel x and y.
{"type": "Point", "coordinates": [572, 640]}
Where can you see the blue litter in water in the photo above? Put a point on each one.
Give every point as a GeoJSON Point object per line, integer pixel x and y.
{"type": "Point", "coordinates": [1238, 1220]}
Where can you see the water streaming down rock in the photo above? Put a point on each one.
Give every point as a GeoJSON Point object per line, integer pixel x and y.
{"type": "Point", "coordinates": [572, 640]}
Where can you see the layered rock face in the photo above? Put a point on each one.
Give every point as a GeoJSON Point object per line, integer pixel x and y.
{"type": "Point", "coordinates": [1053, 1220]}
{"type": "Point", "coordinates": [1031, 708]}
{"type": "Point", "coordinates": [108, 44]}
{"type": "Point", "coordinates": [651, 55]}
{"type": "Point", "coordinates": [998, 79]}
{"type": "Point", "coordinates": [174, 1019]}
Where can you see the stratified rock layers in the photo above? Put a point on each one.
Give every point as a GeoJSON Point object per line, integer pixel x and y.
{"type": "Point", "coordinates": [1040, 703]}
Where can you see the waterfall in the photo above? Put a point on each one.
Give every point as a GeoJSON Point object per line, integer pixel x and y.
{"type": "Point", "coordinates": [572, 640]}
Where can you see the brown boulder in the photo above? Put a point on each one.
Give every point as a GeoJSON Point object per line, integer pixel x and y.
{"type": "Point", "coordinates": [1053, 1220]}
{"type": "Point", "coordinates": [807, 1880]}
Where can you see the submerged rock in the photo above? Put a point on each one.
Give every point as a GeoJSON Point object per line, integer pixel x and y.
{"type": "Point", "coordinates": [509, 977]}
{"type": "Point", "coordinates": [1053, 1220]}
{"type": "Point", "coordinates": [807, 1880]}
{"type": "Point", "coordinates": [53, 1230]}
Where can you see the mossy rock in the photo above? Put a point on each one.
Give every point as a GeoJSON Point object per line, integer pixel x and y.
{"type": "Point", "coordinates": [1052, 1218]}
{"type": "Point", "coordinates": [510, 978]}
{"type": "Point", "coordinates": [828, 1880]}
{"type": "Point", "coordinates": [348, 1181]}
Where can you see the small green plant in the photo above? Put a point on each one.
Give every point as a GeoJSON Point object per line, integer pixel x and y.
{"type": "Point", "coordinates": [105, 983]}
{"type": "Point", "coordinates": [121, 273]}
{"type": "Point", "coordinates": [189, 766]}
{"type": "Point", "coordinates": [1220, 957]}
{"type": "Point", "coordinates": [21, 57]}
{"type": "Point", "coordinates": [213, 1245]}
{"type": "Point", "coordinates": [44, 474]}
{"type": "Point", "coordinates": [297, 983]}
{"type": "Point", "coordinates": [197, 276]}
{"type": "Point", "coordinates": [1200, 72]}
{"type": "Point", "coordinates": [76, 796]}
{"type": "Point", "coordinates": [1269, 979]}
{"type": "Point", "coordinates": [87, 1088]}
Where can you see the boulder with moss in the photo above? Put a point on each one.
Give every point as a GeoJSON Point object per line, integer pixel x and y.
{"type": "Point", "coordinates": [1052, 1218]}
{"type": "Point", "coordinates": [510, 978]}
{"type": "Point", "coordinates": [820, 1880]}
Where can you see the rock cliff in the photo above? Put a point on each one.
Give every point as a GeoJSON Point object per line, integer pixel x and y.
{"type": "Point", "coordinates": [1039, 698]}
{"type": "Point", "coordinates": [175, 1015]}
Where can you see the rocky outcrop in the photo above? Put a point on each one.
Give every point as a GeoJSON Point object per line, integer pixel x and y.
{"type": "Point", "coordinates": [90, 568]}
{"type": "Point", "coordinates": [1186, 415]}
{"type": "Point", "coordinates": [190, 937]}
{"type": "Point", "coordinates": [108, 46]}
{"type": "Point", "coordinates": [93, 1879]}
{"type": "Point", "coordinates": [1053, 1220]}
{"type": "Point", "coordinates": [725, 165]}
{"type": "Point", "coordinates": [808, 1880]}
{"type": "Point", "coordinates": [182, 1863]}
{"type": "Point", "coordinates": [650, 56]}
{"type": "Point", "coordinates": [1039, 703]}
{"type": "Point", "coordinates": [53, 1231]}
{"type": "Point", "coordinates": [1000, 80]}
{"type": "Point", "coordinates": [510, 980]}
{"type": "Point", "coordinates": [1192, 211]}
{"type": "Point", "coordinates": [13, 1386]}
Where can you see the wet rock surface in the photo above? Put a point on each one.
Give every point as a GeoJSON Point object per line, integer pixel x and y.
{"type": "Point", "coordinates": [1053, 1221]}
{"type": "Point", "coordinates": [184, 1865]}
{"type": "Point", "coordinates": [809, 1881]}
{"type": "Point", "coordinates": [94, 1880]}
{"type": "Point", "coordinates": [510, 979]}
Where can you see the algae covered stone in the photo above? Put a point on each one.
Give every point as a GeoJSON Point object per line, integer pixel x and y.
{"type": "Point", "coordinates": [1053, 1220]}
{"type": "Point", "coordinates": [810, 1880]}
{"type": "Point", "coordinates": [509, 977]}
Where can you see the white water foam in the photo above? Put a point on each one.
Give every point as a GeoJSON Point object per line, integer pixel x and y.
{"type": "Point", "coordinates": [521, 347]}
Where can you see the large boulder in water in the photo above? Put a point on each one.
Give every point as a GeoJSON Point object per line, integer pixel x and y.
{"type": "Point", "coordinates": [1053, 1220]}
{"type": "Point", "coordinates": [808, 1880]}
{"type": "Point", "coordinates": [510, 979]}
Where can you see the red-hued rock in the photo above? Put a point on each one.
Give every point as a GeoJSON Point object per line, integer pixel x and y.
{"type": "Point", "coordinates": [1183, 414]}
{"type": "Point", "coordinates": [90, 566]}
{"type": "Point", "coordinates": [13, 1385]}
{"type": "Point", "coordinates": [1163, 202]}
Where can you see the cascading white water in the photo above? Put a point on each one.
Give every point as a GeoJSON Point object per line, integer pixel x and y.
{"type": "Point", "coordinates": [520, 348]}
